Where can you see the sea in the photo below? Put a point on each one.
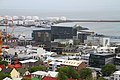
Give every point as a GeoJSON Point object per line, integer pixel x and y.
{"type": "Point", "coordinates": [106, 28]}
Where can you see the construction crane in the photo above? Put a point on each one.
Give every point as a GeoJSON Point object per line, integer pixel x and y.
{"type": "Point", "coordinates": [8, 36]}
{"type": "Point", "coordinates": [0, 42]}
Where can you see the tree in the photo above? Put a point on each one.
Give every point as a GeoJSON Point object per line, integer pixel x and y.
{"type": "Point", "coordinates": [5, 63]}
{"type": "Point", "coordinates": [0, 58]}
{"type": "Point", "coordinates": [62, 76]}
{"type": "Point", "coordinates": [3, 75]}
{"type": "Point", "coordinates": [72, 73]}
{"type": "Point", "coordinates": [69, 72]}
{"type": "Point", "coordinates": [108, 69]}
{"type": "Point", "coordinates": [100, 78]}
{"type": "Point", "coordinates": [85, 73]}
{"type": "Point", "coordinates": [37, 68]}
{"type": "Point", "coordinates": [26, 79]}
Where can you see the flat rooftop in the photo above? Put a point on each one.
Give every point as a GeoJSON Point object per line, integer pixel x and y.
{"type": "Point", "coordinates": [103, 54]}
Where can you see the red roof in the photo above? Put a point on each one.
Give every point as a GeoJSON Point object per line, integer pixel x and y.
{"type": "Point", "coordinates": [15, 65]}
{"type": "Point", "coordinates": [5, 46]}
{"type": "Point", "coordinates": [70, 79]}
{"type": "Point", "coordinates": [49, 78]}
{"type": "Point", "coordinates": [27, 76]}
{"type": "Point", "coordinates": [2, 66]}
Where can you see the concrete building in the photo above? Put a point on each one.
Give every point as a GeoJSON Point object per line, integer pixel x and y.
{"type": "Point", "coordinates": [116, 75]}
{"type": "Point", "coordinates": [117, 61]}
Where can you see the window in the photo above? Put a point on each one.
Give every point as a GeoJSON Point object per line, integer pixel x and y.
{"type": "Point", "coordinates": [39, 34]}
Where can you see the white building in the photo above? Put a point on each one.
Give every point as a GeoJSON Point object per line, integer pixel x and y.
{"type": "Point", "coordinates": [20, 22]}
{"type": "Point", "coordinates": [29, 22]}
{"type": "Point", "coordinates": [8, 17]}
{"type": "Point", "coordinates": [2, 17]}
{"type": "Point", "coordinates": [15, 17]}
{"type": "Point", "coordinates": [106, 49]}
{"type": "Point", "coordinates": [29, 18]}
{"type": "Point", "coordinates": [35, 18]}
{"type": "Point", "coordinates": [63, 18]}
{"type": "Point", "coordinates": [116, 75]}
{"type": "Point", "coordinates": [40, 74]}
{"type": "Point", "coordinates": [15, 22]}
{"type": "Point", "coordinates": [54, 65]}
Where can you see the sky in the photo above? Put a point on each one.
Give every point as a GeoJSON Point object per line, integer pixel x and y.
{"type": "Point", "coordinates": [61, 5]}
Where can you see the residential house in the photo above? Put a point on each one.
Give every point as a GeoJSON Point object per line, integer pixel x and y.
{"type": "Point", "coordinates": [15, 74]}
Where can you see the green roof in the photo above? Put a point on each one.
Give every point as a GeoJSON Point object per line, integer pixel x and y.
{"type": "Point", "coordinates": [36, 78]}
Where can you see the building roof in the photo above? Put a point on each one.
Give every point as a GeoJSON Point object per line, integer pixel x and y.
{"type": "Point", "coordinates": [52, 73]}
{"type": "Point", "coordinates": [6, 70]}
{"type": "Point", "coordinates": [49, 78]}
{"type": "Point", "coordinates": [2, 66]}
{"type": "Point", "coordinates": [71, 62]}
{"type": "Point", "coordinates": [103, 54]}
{"type": "Point", "coordinates": [40, 73]}
{"type": "Point", "coordinates": [53, 62]}
{"type": "Point", "coordinates": [116, 73]}
{"type": "Point", "coordinates": [27, 61]}
{"type": "Point", "coordinates": [107, 47]}
{"type": "Point", "coordinates": [7, 78]}
{"type": "Point", "coordinates": [17, 65]}
{"type": "Point", "coordinates": [64, 25]}
{"type": "Point", "coordinates": [40, 29]}
{"type": "Point", "coordinates": [27, 76]}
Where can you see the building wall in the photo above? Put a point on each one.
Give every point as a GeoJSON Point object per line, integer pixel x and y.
{"type": "Point", "coordinates": [42, 37]}
{"type": "Point", "coordinates": [15, 74]}
{"type": "Point", "coordinates": [116, 77]}
{"type": "Point", "coordinates": [81, 66]}
{"type": "Point", "coordinates": [62, 32]}
{"type": "Point", "coordinates": [100, 60]}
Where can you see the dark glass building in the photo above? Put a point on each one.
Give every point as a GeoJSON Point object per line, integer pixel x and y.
{"type": "Point", "coordinates": [46, 35]}
{"type": "Point", "coordinates": [100, 59]}
{"type": "Point", "coordinates": [42, 37]}
{"type": "Point", "coordinates": [62, 32]}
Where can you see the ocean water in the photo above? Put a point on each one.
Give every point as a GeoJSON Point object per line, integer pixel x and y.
{"type": "Point", "coordinates": [106, 28]}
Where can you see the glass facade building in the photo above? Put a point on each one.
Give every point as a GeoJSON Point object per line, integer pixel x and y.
{"type": "Point", "coordinates": [100, 59]}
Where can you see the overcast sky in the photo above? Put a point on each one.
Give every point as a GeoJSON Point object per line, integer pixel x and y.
{"type": "Point", "coordinates": [61, 5]}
